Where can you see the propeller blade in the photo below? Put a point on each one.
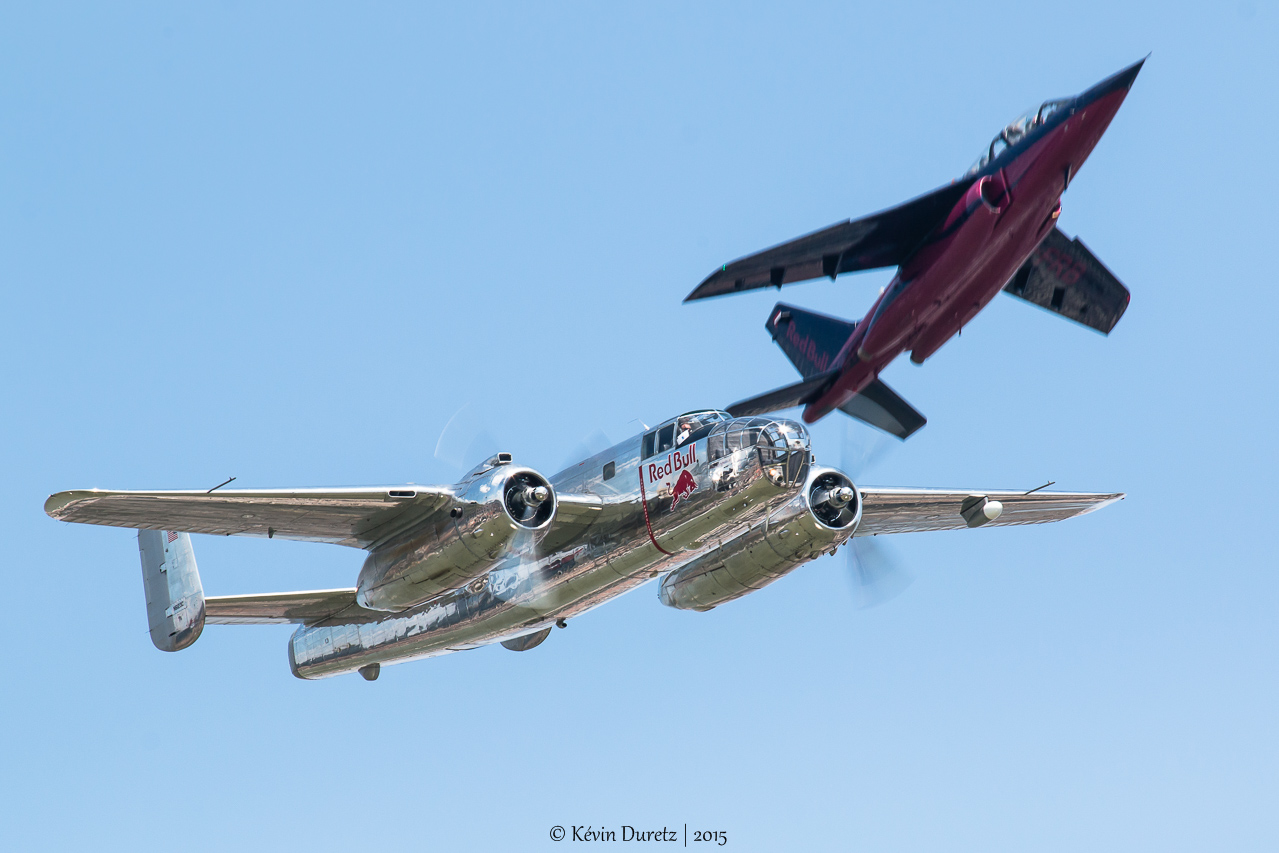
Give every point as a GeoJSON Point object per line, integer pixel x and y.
{"type": "Point", "coordinates": [596, 442]}
{"type": "Point", "coordinates": [464, 443]}
{"type": "Point", "coordinates": [876, 574]}
{"type": "Point", "coordinates": [862, 449]}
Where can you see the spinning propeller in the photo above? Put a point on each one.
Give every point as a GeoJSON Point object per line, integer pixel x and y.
{"type": "Point", "coordinates": [465, 442]}
{"type": "Point", "coordinates": [875, 572]}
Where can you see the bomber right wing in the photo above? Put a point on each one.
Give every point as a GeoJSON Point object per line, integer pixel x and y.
{"type": "Point", "coordinates": [896, 510]}
{"type": "Point", "coordinates": [882, 239]}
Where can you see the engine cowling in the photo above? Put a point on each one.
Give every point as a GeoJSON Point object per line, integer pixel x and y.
{"type": "Point", "coordinates": [494, 507]}
{"type": "Point", "coordinates": [817, 520]}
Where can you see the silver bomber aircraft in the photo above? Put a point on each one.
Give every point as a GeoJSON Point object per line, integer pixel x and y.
{"type": "Point", "coordinates": [716, 507]}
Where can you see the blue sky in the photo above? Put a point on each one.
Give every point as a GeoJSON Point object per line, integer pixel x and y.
{"type": "Point", "coordinates": [289, 242]}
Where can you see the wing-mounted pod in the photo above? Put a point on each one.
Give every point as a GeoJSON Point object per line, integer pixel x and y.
{"type": "Point", "coordinates": [817, 520]}
{"type": "Point", "coordinates": [497, 507]}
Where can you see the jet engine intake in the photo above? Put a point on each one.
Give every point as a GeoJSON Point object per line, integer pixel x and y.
{"type": "Point", "coordinates": [499, 509]}
{"type": "Point", "coordinates": [993, 190]}
{"type": "Point", "coordinates": [817, 520]}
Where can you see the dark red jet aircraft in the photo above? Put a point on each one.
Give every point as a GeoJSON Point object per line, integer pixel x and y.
{"type": "Point", "coordinates": [956, 247]}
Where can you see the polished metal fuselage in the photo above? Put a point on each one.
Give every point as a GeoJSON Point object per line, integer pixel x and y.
{"type": "Point", "coordinates": [654, 515]}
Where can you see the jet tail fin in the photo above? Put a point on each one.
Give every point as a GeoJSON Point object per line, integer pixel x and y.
{"type": "Point", "coordinates": [175, 597]}
{"type": "Point", "coordinates": [810, 340]}
{"type": "Point", "coordinates": [813, 342]}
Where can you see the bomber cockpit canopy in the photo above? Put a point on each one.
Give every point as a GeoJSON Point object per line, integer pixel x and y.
{"type": "Point", "coordinates": [1017, 130]}
{"type": "Point", "coordinates": [677, 432]}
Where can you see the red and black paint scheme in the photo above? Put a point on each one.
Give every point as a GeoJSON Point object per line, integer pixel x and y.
{"type": "Point", "coordinates": [956, 247]}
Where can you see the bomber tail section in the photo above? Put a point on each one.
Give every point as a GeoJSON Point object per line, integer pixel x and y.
{"type": "Point", "coordinates": [175, 597]}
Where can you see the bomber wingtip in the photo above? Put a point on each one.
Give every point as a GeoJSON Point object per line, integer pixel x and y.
{"type": "Point", "coordinates": [57, 502]}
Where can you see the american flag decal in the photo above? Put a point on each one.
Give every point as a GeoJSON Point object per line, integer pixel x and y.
{"type": "Point", "coordinates": [173, 534]}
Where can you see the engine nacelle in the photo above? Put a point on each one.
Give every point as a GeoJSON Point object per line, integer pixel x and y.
{"type": "Point", "coordinates": [819, 519]}
{"type": "Point", "coordinates": [493, 508]}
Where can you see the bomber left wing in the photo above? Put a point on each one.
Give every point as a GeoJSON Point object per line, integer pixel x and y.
{"type": "Point", "coordinates": [357, 517]}
{"type": "Point", "coordinates": [896, 510]}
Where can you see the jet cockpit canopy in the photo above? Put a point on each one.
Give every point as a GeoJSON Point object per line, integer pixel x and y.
{"type": "Point", "coordinates": [1017, 130]}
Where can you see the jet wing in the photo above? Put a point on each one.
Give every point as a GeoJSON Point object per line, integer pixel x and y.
{"type": "Point", "coordinates": [892, 510]}
{"type": "Point", "coordinates": [358, 517]}
{"type": "Point", "coordinates": [1064, 277]}
{"type": "Point", "coordinates": [882, 239]}
{"type": "Point", "coordinates": [277, 608]}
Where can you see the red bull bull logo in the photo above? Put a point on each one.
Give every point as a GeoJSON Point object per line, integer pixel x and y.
{"type": "Point", "coordinates": [684, 487]}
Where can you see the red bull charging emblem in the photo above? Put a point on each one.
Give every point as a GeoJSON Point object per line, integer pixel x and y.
{"type": "Point", "coordinates": [684, 487]}
{"type": "Point", "coordinates": [673, 473]}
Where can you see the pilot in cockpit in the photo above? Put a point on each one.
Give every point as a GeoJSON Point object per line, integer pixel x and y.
{"type": "Point", "coordinates": [686, 428]}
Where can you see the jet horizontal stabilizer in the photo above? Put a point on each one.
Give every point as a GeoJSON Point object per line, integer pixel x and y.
{"type": "Point", "coordinates": [786, 397]}
{"type": "Point", "coordinates": [876, 404]}
{"type": "Point", "coordinates": [1064, 277]}
{"type": "Point", "coordinates": [882, 408]}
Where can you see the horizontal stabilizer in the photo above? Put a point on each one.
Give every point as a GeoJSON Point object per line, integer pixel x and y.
{"type": "Point", "coordinates": [1064, 277]}
{"type": "Point", "coordinates": [784, 398]}
{"type": "Point", "coordinates": [882, 408]}
{"type": "Point", "coordinates": [810, 340]}
{"type": "Point", "coordinates": [277, 608]}
{"type": "Point", "coordinates": [883, 239]}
